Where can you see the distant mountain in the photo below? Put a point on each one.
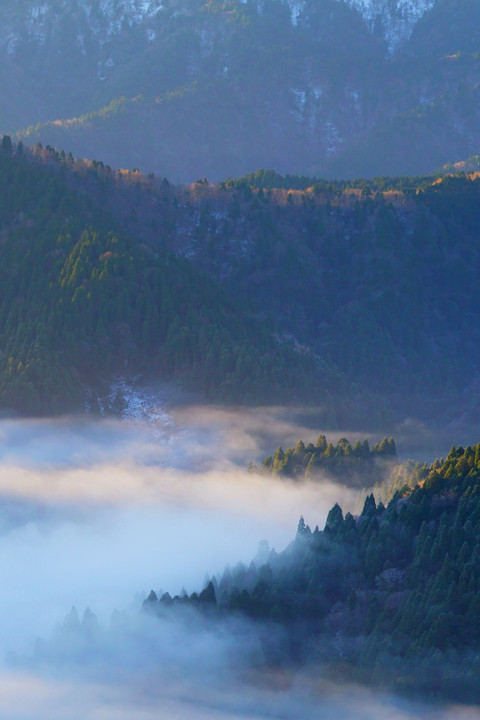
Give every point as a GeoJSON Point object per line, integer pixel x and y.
{"type": "Point", "coordinates": [194, 89]}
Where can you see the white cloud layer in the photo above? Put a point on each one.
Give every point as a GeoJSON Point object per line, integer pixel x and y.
{"type": "Point", "coordinates": [94, 512]}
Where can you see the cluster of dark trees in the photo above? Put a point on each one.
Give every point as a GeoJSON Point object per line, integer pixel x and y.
{"type": "Point", "coordinates": [357, 464]}
{"type": "Point", "coordinates": [82, 300]}
{"type": "Point", "coordinates": [376, 278]}
{"type": "Point", "coordinates": [390, 597]}
{"type": "Point", "coordinates": [360, 298]}
{"type": "Point", "coordinates": [380, 283]}
{"type": "Point", "coordinates": [269, 180]}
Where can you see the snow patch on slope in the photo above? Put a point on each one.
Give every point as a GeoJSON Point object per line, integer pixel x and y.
{"type": "Point", "coordinates": [398, 17]}
{"type": "Point", "coordinates": [106, 18]}
{"type": "Point", "coordinates": [137, 402]}
{"type": "Point", "coordinates": [133, 11]}
{"type": "Point", "coordinates": [296, 7]}
{"type": "Point", "coordinates": [101, 18]}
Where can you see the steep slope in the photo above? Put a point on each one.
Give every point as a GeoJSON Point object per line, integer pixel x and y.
{"type": "Point", "coordinates": [81, 301]}
{"type": "Point", "coordinates": [390, 597]}
{"type": "Point", "coordinates": [380, 279]}
{"type": "Point", "coordinates": [216, 86]}
{"type": "Point", "coordinates": [328, 88]}
{"type": "Point", "coordinates": [376, 279]}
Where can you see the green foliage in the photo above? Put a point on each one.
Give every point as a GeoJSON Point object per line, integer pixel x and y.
{"type": "Point", "coordinates": [81, 300]}
{"type": "Point", "coordinates": [371, 294]}
{"type": "Point", "coordinates": [397, 588]}
{"type": "Point", "coordinates": [269, 179]}
{"type": "Point", "coordinates": [376, 277]}
{"type": "Point", "coordinates": [358, 465]}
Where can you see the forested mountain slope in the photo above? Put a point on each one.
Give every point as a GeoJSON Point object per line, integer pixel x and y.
{"type": "Point", "coordinates": [81, 301]}
{"type": "Point", "coordinates": [390, 597]}
{"type": "Point", "coordinates": [191, 88]}
{"type": "Point", "coordinates": [371, 287]}
{"type": "Point", "coordinates": [379, 279]}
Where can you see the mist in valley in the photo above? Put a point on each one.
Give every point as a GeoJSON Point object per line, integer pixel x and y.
{"type": "Point", "coordinates": [97, 512]}
{"type": "Point", "coordinates": [108, 270]}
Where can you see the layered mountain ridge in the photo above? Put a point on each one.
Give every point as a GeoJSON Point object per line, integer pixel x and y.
{"type": "Point", "coordinates": [358, 297]}
{"type": "Point", "coordinates": [83, 301]}
{"type": "Point", "coordinates": [210, 89]}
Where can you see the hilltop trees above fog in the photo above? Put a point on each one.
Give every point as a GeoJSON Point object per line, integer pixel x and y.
{"type": "Point", "coordinates": [352, 464]}
{"type": "Point", "coordinates": [372, 596]}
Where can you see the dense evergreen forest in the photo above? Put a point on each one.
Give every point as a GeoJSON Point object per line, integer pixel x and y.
{"type": "Point", "coordinates": [383, 284]}
{"type": "Point", "coordinates": [390, 597]}
{"type": "Point", "coordinates": [81, 300]}
{"type": "Point", "coordinates": [353, 465]}
{"type": "Point", "coordinates": [360, 297]}
{"type": "Point", "coordinates": [378, 279]}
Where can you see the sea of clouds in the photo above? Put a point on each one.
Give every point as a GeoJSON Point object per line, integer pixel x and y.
{"type": "Point", "coordinates": [95, 512]}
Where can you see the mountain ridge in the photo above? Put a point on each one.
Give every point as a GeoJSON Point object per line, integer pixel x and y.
{"type": "Point", "coordinates": [72, 314]}
{"type": "Point", "coordinates": [340, 273]}
{"type": "Point", "coordinates": [215, 89]}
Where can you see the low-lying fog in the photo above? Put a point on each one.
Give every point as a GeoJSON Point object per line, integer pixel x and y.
{"type": "Point", "coordinates": [94, 512]}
